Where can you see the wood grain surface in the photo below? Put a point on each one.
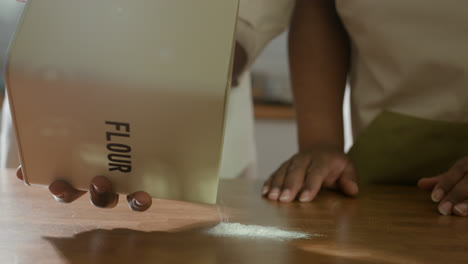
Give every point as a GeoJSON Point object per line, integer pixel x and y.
{"type": "Point", "coordinates": [274, 112]}
{"type": "Point", "coordinates": [385, 224]}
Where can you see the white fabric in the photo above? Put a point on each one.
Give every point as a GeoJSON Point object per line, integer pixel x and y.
{"type": "Point", "coordinates": [239, 145]}
{"type": "Point", "coordinates": [259, 22]}
{"type": "Point", "coordinates": [8, 150]}
{"type": "Point", "coordinates": [409, 57]}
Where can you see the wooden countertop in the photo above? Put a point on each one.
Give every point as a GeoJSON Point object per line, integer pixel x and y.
{"type": "Point", "coordinates": [274, 112]}
{"type": "Point", "coordinates": [386, 224]}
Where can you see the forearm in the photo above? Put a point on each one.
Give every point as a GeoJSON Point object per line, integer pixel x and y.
{"type": "Point", "coordinates": [319, 61]}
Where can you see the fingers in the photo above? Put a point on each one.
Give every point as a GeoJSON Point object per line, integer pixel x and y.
{"type": "Point", "coordinates": [448, 181]}
{"type": "Point", "coordinates": [295, 178]}
{"type": "Point", "coordinates": [64, 192]}
{"type": "Point", "coordinates": [102, 193]}
{"type": "Point", "coordinates": [139, 201]}
{"type": "Point", "coordinates": [428, 184]}
{"type": "Point", "coordinates": [306, 173]}
{"type": "Point", "coordinates": [276, 182]}
{"type": "Point", "coordinates": [458, 194]}
{"type": "Point", "coordinates": [19, 173]}
{"type": "Point", "coordinates": [348, 181]}
{"type": "Point", "coordinates": [316, 173]}
{"type": "Point", "coordinates": [266, 186]}
{"type": "Point", "coordinates": [461, 209]}
{"type": "Point", "coordinates": [450, 190]}
{"type": "Point", "coordinates": [334, 171]}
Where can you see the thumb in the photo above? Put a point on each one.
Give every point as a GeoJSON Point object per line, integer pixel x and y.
{"type": "Point", "coordinates": [19, 173]}
{"type": "Point", "coordinates": [348, 181]}
{"type": "Point", "coordinates": [428, 184]}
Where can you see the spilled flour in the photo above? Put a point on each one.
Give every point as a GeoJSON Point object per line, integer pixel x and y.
{"type": "Point", "coordinates": [254, 232]}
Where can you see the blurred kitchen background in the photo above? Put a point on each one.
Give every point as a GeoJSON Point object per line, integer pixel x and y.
{"type": "Point", "coordinates": [275, 129]}
{"type": "Point", "coordinates": [10, 12]}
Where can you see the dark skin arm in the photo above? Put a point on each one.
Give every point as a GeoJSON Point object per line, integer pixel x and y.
{"type": "Point", "coordinates": [319, 62]}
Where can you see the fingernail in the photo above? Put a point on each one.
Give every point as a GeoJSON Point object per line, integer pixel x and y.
{"type": "Point", "coordinates": [285, 195]}
{"type": "Point", "coordinates": [445, 208]}
{"type": "Point", "coordinates": [55, 191]}
{"type": "Point", "coordinates": [99, 189]}
{"type": "Point", "coordinates": [274, 194]}
{"type": "Point", "coordinates": [437, 195]}
{"type": "Point", "coordinates": [462, 208]}
{"type": "Point", "coordinates": [304, 196]}
{"type": "Point", "coordinates": [265, 190]}
{"type": "Point", "coordinates": [138, 203]}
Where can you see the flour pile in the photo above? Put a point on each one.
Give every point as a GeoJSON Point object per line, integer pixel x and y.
{"type": "Point", "coordinates": [254, 232]}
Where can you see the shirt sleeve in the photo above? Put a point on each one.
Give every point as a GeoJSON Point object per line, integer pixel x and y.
{"type": "Point", "coordinates": [259, 22]}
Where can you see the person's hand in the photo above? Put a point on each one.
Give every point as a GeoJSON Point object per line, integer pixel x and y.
{"type": "Point", "coordinates": [305, 173]}
{"type": "Point", "coordinates": [240, 61]}
{"type": "Point", "coordinates": [102, 194]}
{"type": "Point", "coordinates": [450, 189]}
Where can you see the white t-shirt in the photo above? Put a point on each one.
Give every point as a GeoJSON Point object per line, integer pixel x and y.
{"type": "Point", "coordinates": [409, 57]}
